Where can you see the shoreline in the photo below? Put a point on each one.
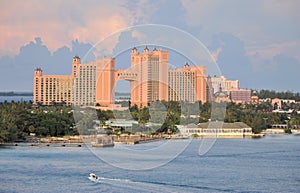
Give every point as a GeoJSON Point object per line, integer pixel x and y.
{"type": "Point", "coordinates": [136, 141]}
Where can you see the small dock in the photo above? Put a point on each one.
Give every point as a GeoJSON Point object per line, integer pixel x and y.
{"type": "Point", "coordinates": [136, 139]}
{"type": "Point", "coordinates": [44, 144]}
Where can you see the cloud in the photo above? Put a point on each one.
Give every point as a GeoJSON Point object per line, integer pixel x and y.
{"type": "Point", "coordinates": [247, 38]}
{"type": "Point", "coordinates": [58, 22]}
{"type": "Point", "coordinates": [196, 12]}
{"type": "Point", "coordinates": [142, 11]}
{"type": "Point", "coordinates": [272, 49]}
{"type": "Point", "coordinates": [232, 60]}
{"type": "Point", "coordinates": [243, 17]}
{"type": "Point", "coordinates": [36, 54]}
{"type": "Point", "coordinates": [261, 23]}
{"type": "Point", "coordinates": [278, 72]}
{"type": "Point", "coordinates": [279, 9]}
{"type": "Point", "coordinates": [252, 35]}
{"type": "Point", "coordinates": [215, 54]}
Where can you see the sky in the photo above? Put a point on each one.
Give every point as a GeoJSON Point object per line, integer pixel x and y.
{"type": "Point", "coordinates": [254, 41]}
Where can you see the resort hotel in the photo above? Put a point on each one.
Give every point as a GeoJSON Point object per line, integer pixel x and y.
{"type": "Point", "coordinates": [149, 75]}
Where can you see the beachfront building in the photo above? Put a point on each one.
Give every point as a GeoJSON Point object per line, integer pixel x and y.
{"type": "Point", "coordinates": [219, 89]}
{"type": "Point", "coordinates": [150, 80]}
{"type": "Point", "coordinates": [187, 84]}
{"type": "Point", "coordinates": [216, 129]}
{"type": "Point", "coordinates": [224, 83]}
{"type": "Point", "coordinates": [120, 125]}
{"type": "Point", "coordinates": [50, 89]}
{"type": "Point", "coordinates": [84, 82]}
{"type": "Point", "coordinates": [88, 84]}
{"type": "Point", "coordinates": [93, 82]}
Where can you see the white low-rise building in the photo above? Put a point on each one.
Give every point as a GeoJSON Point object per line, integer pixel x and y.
{"type": "Point", "coordinates": [216, 129]}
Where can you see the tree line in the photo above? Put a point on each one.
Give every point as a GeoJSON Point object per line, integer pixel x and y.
{"type": "Point", "coordinates": [19, 119]}
{"type": "Point", "coordinates": [171, 113]}
{"type": "Point", "coordinates": [263, 94]}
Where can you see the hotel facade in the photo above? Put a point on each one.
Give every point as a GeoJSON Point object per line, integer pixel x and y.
{"type": "Point", "coordinates": [187, 84]}
{"type": "Point", "coordinates": [149, 76]}
{"type": "Point", "coordinates": [48, 89]}
{"type": "Point", "coordinates": [219, 89]}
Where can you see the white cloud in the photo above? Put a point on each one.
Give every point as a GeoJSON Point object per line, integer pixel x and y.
{"type": "Point", "coordinates": [199, 11]}
{"type": "Point", "coordinates": [215, 54]}
{"type": "Point", "coordinates": [268, 27]}
{"type": "Point", "coordinates": [289, 48]}
{"type": "Point", "coordinates": [143, 10]}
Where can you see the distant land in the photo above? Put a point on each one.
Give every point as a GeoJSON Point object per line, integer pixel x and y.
{"type": "Point", "coordinates": [260, 93]}
{"type": "Point", "coordinates": [122, 94]}
{"type": "Point", "coordinates": [12, 93]}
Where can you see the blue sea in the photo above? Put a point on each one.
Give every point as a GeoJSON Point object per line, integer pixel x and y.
{"type": "Point", "coordinates": [270, 164]}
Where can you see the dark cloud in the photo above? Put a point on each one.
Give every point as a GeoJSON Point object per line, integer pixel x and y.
{"type": "Point", "coordinates": [232, 60]}
{"type": "Point", "coordinates": [83, 50]}
{"type": "Point", "coordinates": [126, 42]}
{"type": "Point", "coordinates": [278, 73]}
{"type": "Point", "coordinates": [32, 54]}
{"type": "Point", "coordinates": [17, 72]}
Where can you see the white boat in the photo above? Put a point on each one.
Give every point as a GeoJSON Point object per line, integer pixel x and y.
{"type": "Point", "coordinates": [93, 177]}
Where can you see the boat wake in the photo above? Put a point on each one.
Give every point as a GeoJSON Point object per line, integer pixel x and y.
{"type": "Point", "coordinates": [93, 177]}
{"type": "Point", "coordinates": [148, 185]}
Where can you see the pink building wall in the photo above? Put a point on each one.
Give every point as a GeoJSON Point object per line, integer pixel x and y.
{"type": "Point", "coordinates": [148, 78]}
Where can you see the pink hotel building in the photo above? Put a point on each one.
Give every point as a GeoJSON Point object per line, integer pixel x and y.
{"type": "Point", "coordinates": [149, 75]}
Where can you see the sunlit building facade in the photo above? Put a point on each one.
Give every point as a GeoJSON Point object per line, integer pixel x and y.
{"type": "Point", "coordinates": [93, 82]}
{"type": "Point", "coordinates": [88, 84]}
{"type": "Point", "coordinates": [151, 83]}
{"type": "Point", "coordinates": [220, 89]}
{"type": "Point", "coordinates": [149, 76]}
{"type": "Point", "coordinates": [224, 84]}
{"type": "Point", "coordinates": [51, 89]}
{"type": "Point", "coordinates": [187, 84]}
{"type": "Point", "coordinates": [84, 89]}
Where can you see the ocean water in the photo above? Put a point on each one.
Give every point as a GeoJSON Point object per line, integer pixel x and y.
{"type": "Point", "coordinates": [30, 98]}
{"type": "Point", "coordinates": [15, 98]}
{"type": "Point", "coordinates": [270, 164]}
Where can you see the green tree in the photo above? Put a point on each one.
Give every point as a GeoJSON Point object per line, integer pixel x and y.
{"type": "Point", "coordinates": [31, 129]}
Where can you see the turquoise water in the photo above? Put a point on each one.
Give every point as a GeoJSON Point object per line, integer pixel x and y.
{"type": "Point", "coordinates": [269, 164]}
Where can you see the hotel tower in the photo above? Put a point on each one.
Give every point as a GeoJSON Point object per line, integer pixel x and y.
{"type": "Point", "coordinates": [151, 83]}
{"type": "Point", "coordinates": [149, 76]}
{"type": "Point", "coordinates": [187, 84]}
